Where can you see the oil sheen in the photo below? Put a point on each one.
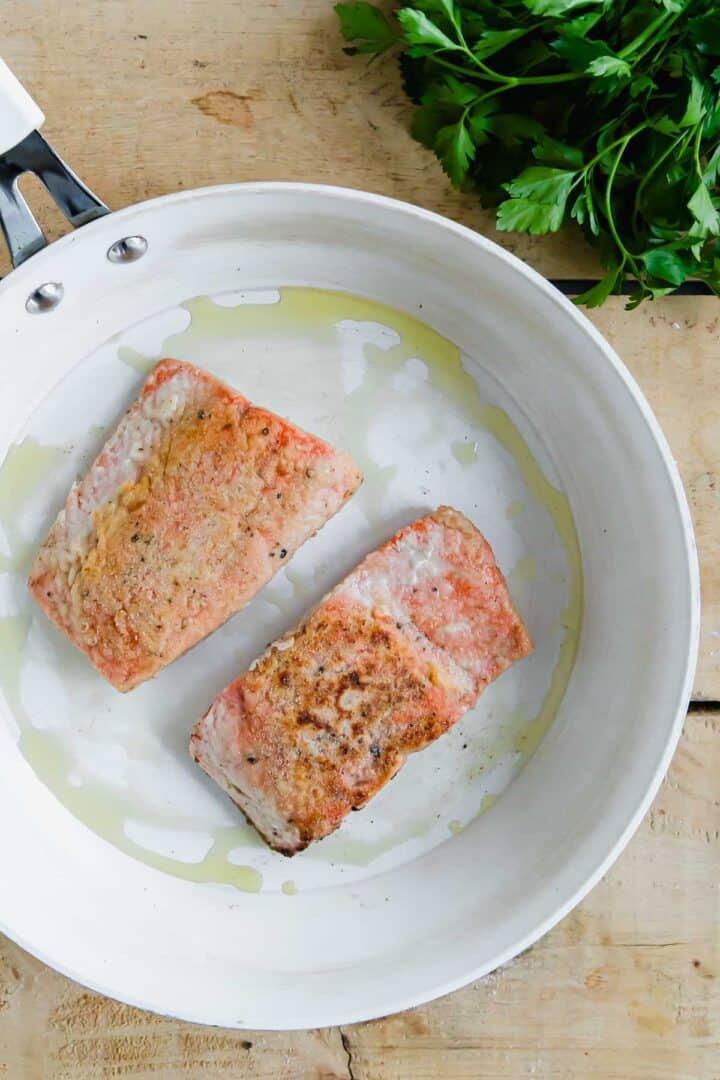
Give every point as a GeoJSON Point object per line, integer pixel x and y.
{"type": "Point", "coordinates": [389, 355]}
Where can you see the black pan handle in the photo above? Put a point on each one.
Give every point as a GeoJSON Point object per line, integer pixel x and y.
{"type": "Point", "coordinates": [77, 202]}
{"type": "Point", "coordinates": [24, 150]}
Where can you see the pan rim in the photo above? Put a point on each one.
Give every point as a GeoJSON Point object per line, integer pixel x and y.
{"type": "Point", "coordinates": [339, 1016]}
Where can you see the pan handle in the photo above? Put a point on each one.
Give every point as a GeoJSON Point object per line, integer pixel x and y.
{"type": "Point", "coordinates": [23, 150]}
{"type": "Point", "coordinates": [19, 115]}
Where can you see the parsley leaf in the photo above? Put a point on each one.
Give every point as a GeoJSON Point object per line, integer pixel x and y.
{"type": "Point", "coordinates": [366, 23]}
{"type": "Point", "coordinates": [512, 128]}
{"type": "Point", "coordinates": [579, 52]}
{"type": "Point", "coordinates": [603, 113]}
{"type": "Point", "coordinates": [421, 30]}
{"type": "Point", "coordinates": [542, 183]}
{"type": "Point", "coordinates": [695, 109]}
{"type": "Point", "coordinates": [557, 7]}
{"type": "Point", "coordinates": [552, 152]}
{"type": "Point", "coordinates": [702, 209]}
{"type": "Point", "coordinates": [598, 294]}
{"type": "Point", "coordinates": [492, 41]}
{"type": "Point", "coordinates": [538, 197]}
{"type": "Point", "coordinates": [672, 266]}
{"type": "Point", "coordinates": [712, 168]}
{"type": "Point", "coordinates": [456, 149]}
{"type": "Point", "coordinates": [609, 65]}
{"type": "Point", "coordinates": [527, 215]}
{"type": "Point", "coordinates": [704, 33]}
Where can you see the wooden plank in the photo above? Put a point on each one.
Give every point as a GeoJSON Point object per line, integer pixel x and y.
{"type": "Point", "coordinates": [53, 1029]}
{"type": "Point", "coordinates": [672, 347]}
{"type": "Point", "coordinates": [626, 988]}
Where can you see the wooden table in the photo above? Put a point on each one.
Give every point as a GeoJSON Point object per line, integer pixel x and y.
{"type": "Point", "coordinates": [148, 96]}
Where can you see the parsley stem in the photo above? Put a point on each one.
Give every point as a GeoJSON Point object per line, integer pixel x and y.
{"type": "Point", "coordinates": [495, 76]}
{"type": "Point", "coordinates": [696, 153]}
{"type": "Point", "coordinates": [649, 38]}
{"type": "Point", "coordinates": [648, 32]}
{"type": "Point", "coordinates": [509, 80]}
{"type": "Point", "coordinates": [626, 255]}
{"type": "Point", "coordinates": [450, 66]}
{"type": "Point", "coordinates": [465, 48]}
{"type": "Point", "coordinates": [651, 172]}
{"type": "Point", "coordinates": [606, 149]}
{"type": "Point", "coordinates": [506, 81]}
{"type": "Point", "coordinates": [488, 72]}
{"type": "Point", "coordinates": [541, 80]}
{"type": "Point", "coordinates": [490, 94]}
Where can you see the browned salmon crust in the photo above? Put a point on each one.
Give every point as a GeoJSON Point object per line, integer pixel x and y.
{"type": "Point", "coordinates": [196, 500]}
{"type": "Point", "coordinates": [386, 664]}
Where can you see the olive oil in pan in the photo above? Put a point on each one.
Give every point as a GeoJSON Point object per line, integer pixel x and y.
{"type": "Point", "coordinates": [26, 466]}
{"type": "Point", "coordinates": [341, 848]}
{"type": "Point", "coordinates": [13, 635]}
{"type": "Point", "coordinates": [465, 453]}
{"type": "Point", "coordinates": [107, 814]}
{"type": "Point", "coordinates": [135, 360]}
{"type": "Point", "coordinates": [525, 569]}
{"type": "Point", "coordinates": [321, 317]}
{"type": "Point", "coordinates": [518, 731]}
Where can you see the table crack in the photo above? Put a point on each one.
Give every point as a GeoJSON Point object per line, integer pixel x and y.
{"type": "Point", "coordinates": [348, 1050]}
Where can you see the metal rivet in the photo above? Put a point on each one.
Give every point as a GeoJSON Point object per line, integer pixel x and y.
{"type": "Point", "coordinates": [127, 250]}
{"type": "Point", "coordinates": [45, 298]}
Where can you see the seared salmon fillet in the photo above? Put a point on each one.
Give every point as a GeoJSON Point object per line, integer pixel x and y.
{"type": "Point", "coordinates": [193, 504]}
{"type": "Point", "coordinates": [389, 661]}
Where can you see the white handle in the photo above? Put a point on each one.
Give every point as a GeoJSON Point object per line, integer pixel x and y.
{"type": "Point", "coordinates": [19, 115]}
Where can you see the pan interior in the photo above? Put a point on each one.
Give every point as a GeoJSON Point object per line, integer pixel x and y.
{"type": "Point", "coordinates": [428, 424]}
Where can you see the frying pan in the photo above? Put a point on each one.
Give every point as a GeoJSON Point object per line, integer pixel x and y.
{"type": "Point", "coordinates": [455, 374]}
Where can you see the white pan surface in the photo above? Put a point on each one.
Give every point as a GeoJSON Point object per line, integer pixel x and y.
{"type": "Point", "coordinates": [454, 374]}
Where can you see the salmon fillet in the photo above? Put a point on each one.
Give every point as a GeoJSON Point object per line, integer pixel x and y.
{"type": "Point", "coordinates": [385, 665]}
{"type": "Point", "coordinates": [195, 501]}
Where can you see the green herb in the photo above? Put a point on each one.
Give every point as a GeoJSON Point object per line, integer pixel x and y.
{"type": "Point", "coordinates": [606, 112]}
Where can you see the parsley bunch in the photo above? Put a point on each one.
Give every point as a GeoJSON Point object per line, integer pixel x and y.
{"type": "Point", "coordinates": [606, 111]}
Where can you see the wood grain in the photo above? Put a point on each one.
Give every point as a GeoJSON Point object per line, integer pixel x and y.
{"type": "Point", "coordinates": [673, 350]}
{"type": "Point", "coordinates": [626, 988]}
{"type": "Point", "coordinates": [145, 97]}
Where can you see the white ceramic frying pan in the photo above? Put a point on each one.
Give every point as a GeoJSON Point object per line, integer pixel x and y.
{"type": "Point", "coordinates": [455, 374]}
